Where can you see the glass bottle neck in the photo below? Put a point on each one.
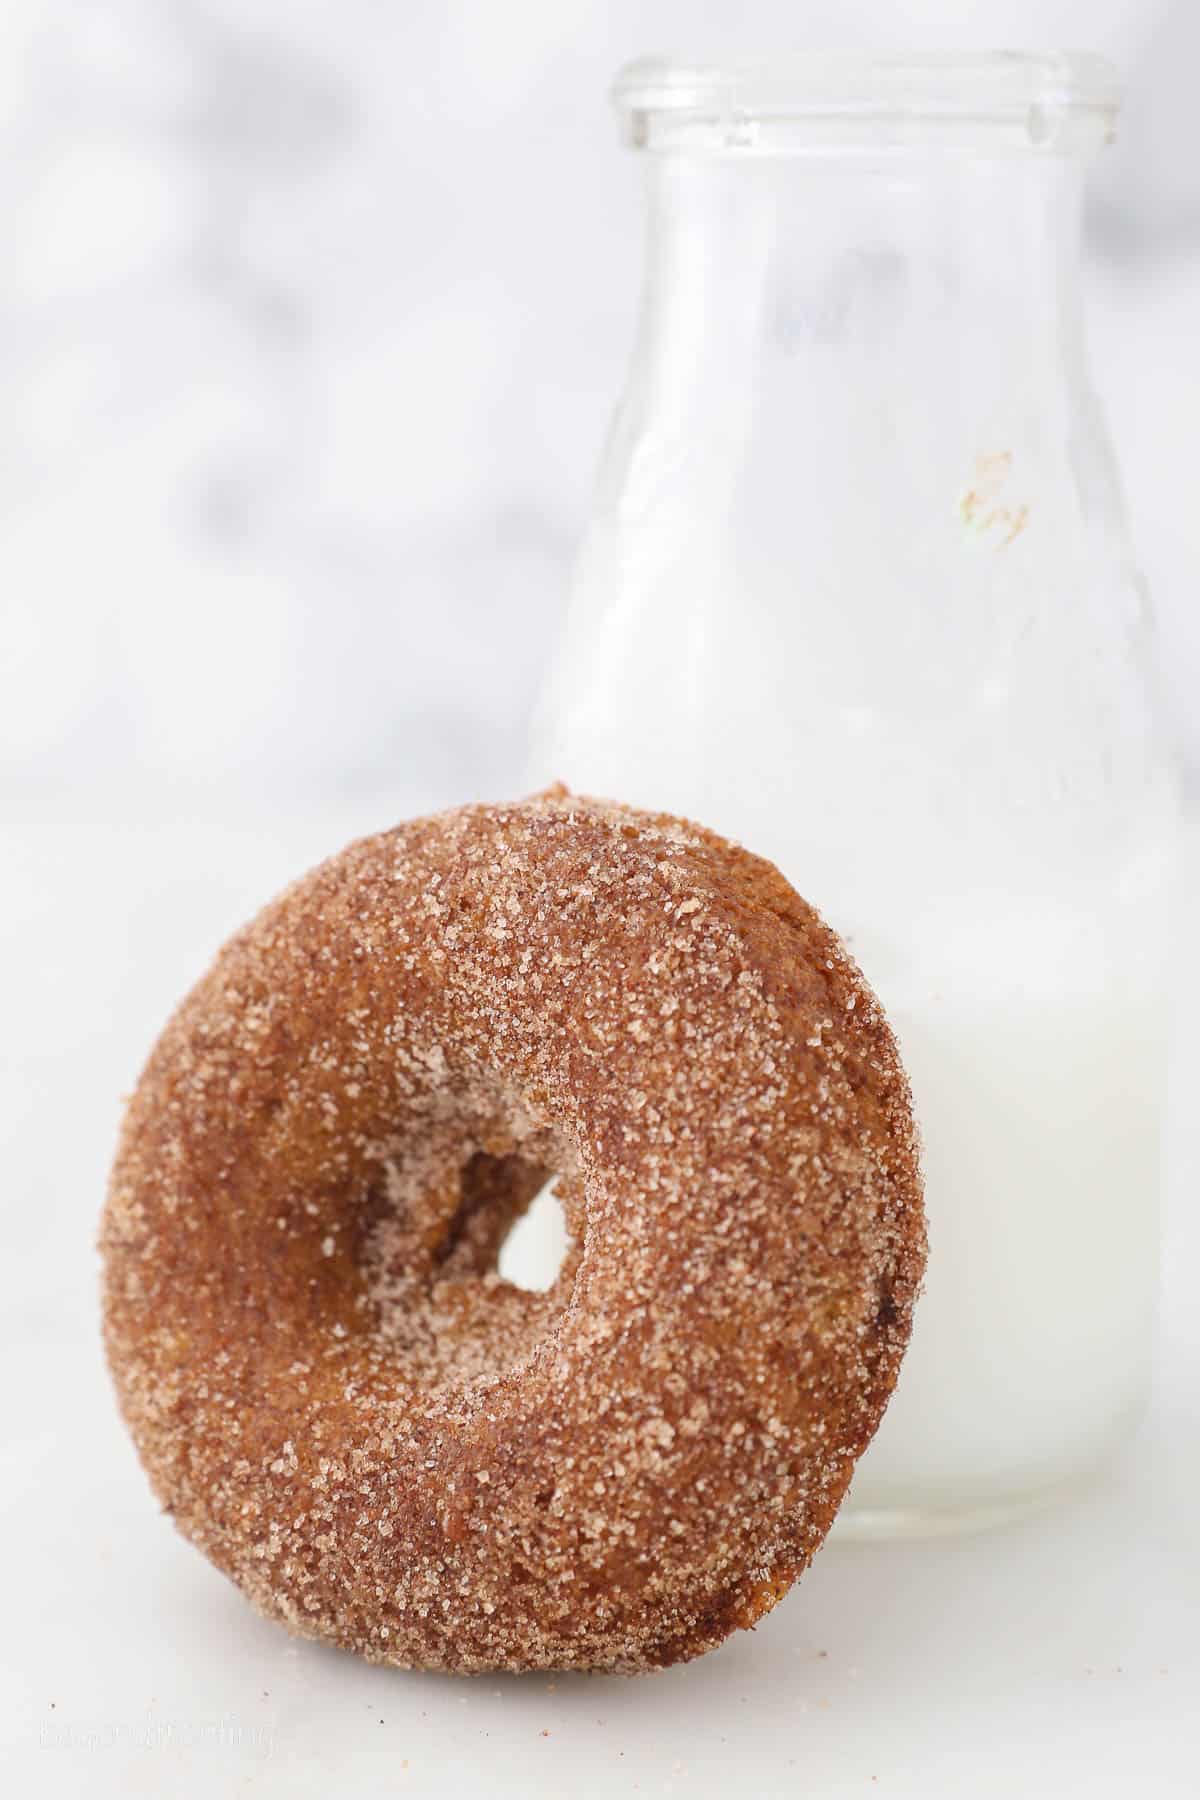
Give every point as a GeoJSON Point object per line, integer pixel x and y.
{"type": "Point", "coordinates": [817, 104]}
{"type": "Point", "coordinates": [769, 264]}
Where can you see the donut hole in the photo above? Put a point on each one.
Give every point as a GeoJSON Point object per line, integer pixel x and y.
{"type": "Point", "coordinates": [532, 1255]}
{"type": "Point", "coordinates": [467, 1254]}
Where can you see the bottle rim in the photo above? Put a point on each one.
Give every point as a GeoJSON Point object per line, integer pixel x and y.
{"type": "Point", "coordinates": [1040, 100]}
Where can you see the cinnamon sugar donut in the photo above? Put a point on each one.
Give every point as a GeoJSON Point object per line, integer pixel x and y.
{"type": "Point", "coordinates": [384, 1443]}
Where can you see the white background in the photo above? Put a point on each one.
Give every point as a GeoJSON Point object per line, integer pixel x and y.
{"type": "Point", "coordinates": [311, 317]}
{"type": "Point", "coordinates": [311, 320]}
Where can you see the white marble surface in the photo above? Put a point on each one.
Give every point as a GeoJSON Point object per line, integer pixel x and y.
{"type": "Point", "coordinates": [310, 321]}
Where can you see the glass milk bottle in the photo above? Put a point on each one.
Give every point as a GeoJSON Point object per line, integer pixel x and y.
{"type": "Point", "coordinates": [857, 591]}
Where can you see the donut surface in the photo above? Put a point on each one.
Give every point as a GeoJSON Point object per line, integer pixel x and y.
{"type": "Point", "coordinates": [344, 1406]}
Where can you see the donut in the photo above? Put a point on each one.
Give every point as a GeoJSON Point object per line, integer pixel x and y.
{"type": "Point", "coordinates": [337, 1397]}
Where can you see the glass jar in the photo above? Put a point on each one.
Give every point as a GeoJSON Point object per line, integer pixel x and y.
{"type": "Point", "coordinates": [857, 591]}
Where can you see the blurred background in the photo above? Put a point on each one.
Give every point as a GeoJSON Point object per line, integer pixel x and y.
{"type": "Point", "coordinates": [311, 321]}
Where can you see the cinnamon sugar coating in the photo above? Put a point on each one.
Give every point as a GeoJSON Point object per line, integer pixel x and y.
{"type": "Point", "coordinates": [385, 1444]}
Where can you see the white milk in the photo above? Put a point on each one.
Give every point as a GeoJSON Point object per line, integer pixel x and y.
{"type": "Point", "coordinates": [1036, 1066]}
{"type": "Point", "coordinates": [1025, 986]}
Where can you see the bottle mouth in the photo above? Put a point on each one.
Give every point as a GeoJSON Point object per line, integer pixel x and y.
{"type": "Point", "coordinates": [828, 100]}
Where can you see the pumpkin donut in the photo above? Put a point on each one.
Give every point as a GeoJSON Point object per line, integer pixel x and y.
{"type": "Point", "coordinates": [384, 1443]}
